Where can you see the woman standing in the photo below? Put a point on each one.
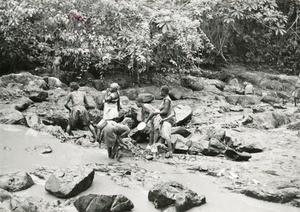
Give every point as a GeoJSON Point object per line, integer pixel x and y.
{"type": "Point", "coordinates": [111, 102]}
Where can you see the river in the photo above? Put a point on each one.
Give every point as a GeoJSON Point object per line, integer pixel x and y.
{"type": "Point", "coordinates": [13, 157]}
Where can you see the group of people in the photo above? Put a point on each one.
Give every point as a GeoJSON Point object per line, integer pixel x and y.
{"type": "Point", "coordinates": [159, 120]}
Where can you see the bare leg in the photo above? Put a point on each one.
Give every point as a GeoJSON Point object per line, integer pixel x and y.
{"type": "Point", "coordinates": [68, 129]}
{"type": "Point", "coordinates": [155, 136]}
{"type": "Point", "coordinates": [170, 148]}
{"type": "Point", "coordinates": [109, 151]}
{"type": "Point", "coordinates": [92, 129]}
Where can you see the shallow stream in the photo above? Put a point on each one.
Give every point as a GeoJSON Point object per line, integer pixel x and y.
{"type": "Point", "coordinates": [13, 157]}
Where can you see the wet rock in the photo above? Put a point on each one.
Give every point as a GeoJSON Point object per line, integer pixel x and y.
{"type": "Point", "coordinates": [70, 181]}
{"type": "Point", "coordinates": [22, 103]}
{"type": "Point", "coordinates": [272, 195]}
{"type": "Point", "coordinates": [146, 97]}
{"type": "Point", "coordinates": [171, 193]}
{"type": "Point", "coordinates": [181, 131]}
{"type": "Point", "coordinates": [236, 156]}
{"type": "Point", "coordinates": [15, 181]}
{"type": "Point", "coordinates": [41, 148]}
{"type": "Point", "coordinates": [251, 148]}
{"type": "Point", "coordinates": [11, 116]}
{"type": "Point", "coordinates": [183, 114]}
{"type": "Point", "coordinates": [30, 204]}
{"type": "Point", "coordinates": [155, 90]}
{"type": "Point", "coordinates": [38, 96]}
{"type": "Point", "coordinates": [103, 203]}
{"type": "Point", "coordinates": [193, 83]}
{"type": "Point", "coordinates": [50, 114]}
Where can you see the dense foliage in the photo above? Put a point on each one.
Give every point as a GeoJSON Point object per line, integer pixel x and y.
{"type": "Point", "coordinates": [146, 36]}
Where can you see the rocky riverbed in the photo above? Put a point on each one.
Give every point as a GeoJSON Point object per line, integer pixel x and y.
{"type": "Point", "coordinates": [216, 126]}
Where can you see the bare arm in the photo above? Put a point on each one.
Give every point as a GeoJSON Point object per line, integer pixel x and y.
{"type": "Point", "coordinates": [85, 101]}
{"type": "Point", "coordinates": [68, 100]}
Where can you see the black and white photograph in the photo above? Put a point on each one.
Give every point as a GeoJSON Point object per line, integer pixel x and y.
{"type": "Point", "coordinates": [149, 105]}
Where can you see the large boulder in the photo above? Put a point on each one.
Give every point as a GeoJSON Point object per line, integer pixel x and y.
{"type": "Point", "coordinates": [155, 90]}
{"type": "Point", "coordinates": [27, 81]}
{"type": "Point", "coordinates": [194, 83]}
{"type": "Point", "coordinates": [11, 116]}
{"type": "Point", "coordinates": [271, 120]}
{"type": "Point", "coordinates": [146, 97]}
{"type": "Point", "coordinates": [172, 193]}
{"type": "Point", "coordinates": [70, 181]}
{"type": "Point", "coordinates": [177, 92]}
{"type": "Point", "coordinates": [103, 203]}
{"type": "Point", "coordinates": [183, 113]}
{"type": "Point", "coordinates": [15, 181]}
{"type": "Point", "coordinates": [53, 82]}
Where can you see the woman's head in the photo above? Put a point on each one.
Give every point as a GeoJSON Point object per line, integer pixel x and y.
{"type": "Point", "coordinates": [114, 86]}
{"type": "Point", "coordinates": [74, 86]}
{"type": "Point", "coordinates": [164, 90]}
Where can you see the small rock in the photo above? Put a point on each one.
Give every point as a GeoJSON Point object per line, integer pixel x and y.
{"type": "Point", "coordinates": [42, 148]}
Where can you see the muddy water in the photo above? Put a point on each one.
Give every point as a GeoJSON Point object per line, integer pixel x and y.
{"type": "Point", "coordinates": [13, 157]}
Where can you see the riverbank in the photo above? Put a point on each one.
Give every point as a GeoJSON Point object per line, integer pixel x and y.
{"type": "Point", "coordinates": [104, 183]}
{"type": "Point", "coordinates": [210, 107]}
